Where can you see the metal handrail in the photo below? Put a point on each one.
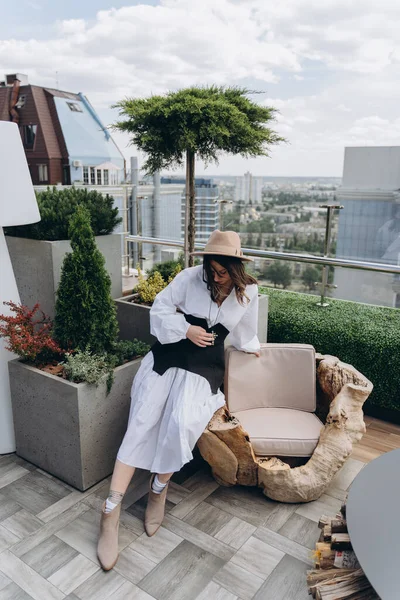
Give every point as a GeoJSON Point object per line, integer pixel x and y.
{"type": "Point", "coordinates": [305, 258]}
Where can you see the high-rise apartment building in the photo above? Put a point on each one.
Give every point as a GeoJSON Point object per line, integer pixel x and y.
{"type": "Point", "coordinates": [160, 207]}
{"type": "Point", "coordinates": [248, 188]}
{"type": "Point", "coordinates": [207, 206]}
{"type": "Point", "coordinates": [369, 224]}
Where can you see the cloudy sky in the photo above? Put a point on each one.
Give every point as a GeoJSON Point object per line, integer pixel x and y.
{"type": "Point", "coordinates": [331, 67]}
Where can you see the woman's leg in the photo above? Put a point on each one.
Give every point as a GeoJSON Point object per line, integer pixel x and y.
{"type": "Point", "coordinates": [164, 477]}
{"type": "Point", "coordinates": [120, 480]}
{"type": "Point", "coordinates": [155, 509]}
{"type": "Point", "coordinates": [121, 477]}
{"type": "Point", "coordinates": [159, 482]}
{"type": "Point", "coordinates": [107, 546]}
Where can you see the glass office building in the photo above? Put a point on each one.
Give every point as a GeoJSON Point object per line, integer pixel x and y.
{"type": "Point", "coordinates": [369, 224]}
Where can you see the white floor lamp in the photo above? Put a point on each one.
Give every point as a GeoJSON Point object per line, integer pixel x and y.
{"type": "Point", "coordinates": [18, 206]}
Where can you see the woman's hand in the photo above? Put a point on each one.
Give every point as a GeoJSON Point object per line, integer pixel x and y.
{"type": "Point", "coordinates": [256, 353]}
{"type": "Point", "coordinates": [199, 336]}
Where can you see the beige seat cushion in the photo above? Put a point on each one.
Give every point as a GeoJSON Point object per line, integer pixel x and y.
{"type": "Point", "coordinates": [281, 431]}
{"type": "Point", "coordinates": [283, 377]}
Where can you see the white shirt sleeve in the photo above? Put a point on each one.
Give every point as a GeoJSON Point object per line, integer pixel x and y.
{"type": "Point", "coordinates": [166, 324]}
{"type": "Point", "coordinates": [244, 335]}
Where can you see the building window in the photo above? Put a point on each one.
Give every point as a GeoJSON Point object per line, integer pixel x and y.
{"type": "Point", "coordinates": [43, 173]}
{"type": "Point", "coordinates": [74, 106]}
{"type": "Point", "coordinates": [29, 136]}
{"type": "Point", "coordinates": [92, 176]}
{"type": "Point", "coordinates": [86, 175]}
{"type": "Point", "coordinates": [21, 101]}
{"type": "Point", "coordinates": [98, 172]}
{"type": "Point", "coordinates": [105, 176]}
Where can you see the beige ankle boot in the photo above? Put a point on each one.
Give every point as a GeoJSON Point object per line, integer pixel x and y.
{"type": "Point", "coordinates": [107, 547]}
{"type": "Point", "coordinates": [155, 509]}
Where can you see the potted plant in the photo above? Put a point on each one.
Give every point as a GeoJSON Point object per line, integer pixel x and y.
{"type": "Point", "coordinates": [133, 311]}
{"type": "Point", "coordinates": [37, 251]}
{"type": "Point", "coordinates": [70, 416]}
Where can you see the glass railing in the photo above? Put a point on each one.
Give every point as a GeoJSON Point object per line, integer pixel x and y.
{"type": "Point", "coordinates": [285, 234]}
{"type": "Point", "coordinates": [346, 279]}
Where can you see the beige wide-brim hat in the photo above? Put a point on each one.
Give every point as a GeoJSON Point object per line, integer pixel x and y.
{"type": "Point", "coordinates": [223, 243]}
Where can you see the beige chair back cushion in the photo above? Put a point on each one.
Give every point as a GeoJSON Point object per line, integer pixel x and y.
{"type": "Point", "coordinates": [283, 377]}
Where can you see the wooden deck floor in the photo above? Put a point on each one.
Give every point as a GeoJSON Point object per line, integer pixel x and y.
{"type": "Point", "coordinates": [215, 544]}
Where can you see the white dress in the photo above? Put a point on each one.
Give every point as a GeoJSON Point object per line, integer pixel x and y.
{"type": "Point", "coordinates": [169, 412]}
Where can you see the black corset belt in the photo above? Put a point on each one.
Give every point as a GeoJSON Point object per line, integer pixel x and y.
{"type": "Point", "coordinates": [208, 362]}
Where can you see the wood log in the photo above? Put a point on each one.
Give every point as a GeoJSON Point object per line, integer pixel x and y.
{"type": "Point", "coordinates": [224, 464]}
{"type": "Point", "coordinates": [337, 574]}
{"type": "Point", "coordinates": [324, 520]}
{"type": "Point", "coordinates": [327, 533]}
{"type": "Point", "coordinates": [230, 431]}
{"type": "Point", "coordinates": [338, 526]}
{"type": "Point", "coordinates": [344, 426]}
{"type": "Point", "coordinates": [327, 563]}
{"type": "Point", "coordinates": [323, 547]}
{"type": "Point", "coordinates": [317, 577]}
{"type": "Point", "coordinates": [343, 587]}
{"type": "Point", "coordinates": [347, 390]}
{"type": "Point", "coordinates": [333, 375]}
{"type": "Point", "coordinates": [325, 556]}
{"type": "Point", "coordinates": [341, 541]}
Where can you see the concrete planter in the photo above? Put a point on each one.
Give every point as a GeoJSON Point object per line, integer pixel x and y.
{"type": "Point", "coordinates": [37, 267]}
{"type": "Point", "coordinates": [134, 319]}
{"type": "Point", "coordinates": [71, 430]}
{"type": "Point", "coordinates": [262, 318]}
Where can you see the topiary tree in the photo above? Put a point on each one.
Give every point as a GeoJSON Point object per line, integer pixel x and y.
{"type": "Point", "coordinates": [85, 312]}
{"type": "Point", "coordinates": [58, 206]}
{"type": "Point", "coordinates": [197, 122]}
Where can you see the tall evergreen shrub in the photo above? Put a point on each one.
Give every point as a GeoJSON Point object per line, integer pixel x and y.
{"type": "Point", "coordinates": [85, 312]}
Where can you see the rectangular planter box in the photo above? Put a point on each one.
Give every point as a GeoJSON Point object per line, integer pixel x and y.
{"type": "Point", "coordinates": [134, 319]}
{"type": "Point", "coordinates": [71, 430]}
{"type": "Point", "coordinates": [37, 267]}
{"type": "Point", "coordinates": [262, 318]}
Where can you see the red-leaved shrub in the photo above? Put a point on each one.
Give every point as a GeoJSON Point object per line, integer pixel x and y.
{"type": "Point", "coordinates": [29, 334]}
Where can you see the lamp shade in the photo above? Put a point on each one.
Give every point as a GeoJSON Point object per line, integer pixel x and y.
{"type": "Point", "coordinates": [18, 204]}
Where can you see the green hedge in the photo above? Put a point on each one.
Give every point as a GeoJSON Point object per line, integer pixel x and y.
{"type": "Point", "coordinates": [365, 336]}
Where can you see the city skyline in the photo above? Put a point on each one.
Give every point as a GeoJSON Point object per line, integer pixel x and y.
{"type": "Point", "coordinates": [330, 68]}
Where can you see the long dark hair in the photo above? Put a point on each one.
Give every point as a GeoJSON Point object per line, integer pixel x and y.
{"type": "Point", "coordinates": [236, 270]}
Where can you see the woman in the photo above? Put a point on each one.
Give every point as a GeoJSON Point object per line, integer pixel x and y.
{"type": "Point", "coordinates": [176, 390]}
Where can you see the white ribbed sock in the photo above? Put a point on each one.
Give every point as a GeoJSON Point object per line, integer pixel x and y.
{"type": "Point", "coordinates": [114, 498]}
{"type": "Point", "coordinates": [157, 486]}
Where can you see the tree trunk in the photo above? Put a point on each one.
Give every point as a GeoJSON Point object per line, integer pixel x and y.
{"type": "Point", "coordinates": [190, 212]}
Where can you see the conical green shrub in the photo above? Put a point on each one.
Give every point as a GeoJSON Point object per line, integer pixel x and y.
{"type": "Point", "coordinates": [85, 312]}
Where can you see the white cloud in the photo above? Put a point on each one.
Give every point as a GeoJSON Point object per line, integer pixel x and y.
{"type": "Point", "coordinates": [71, 26]}
{"type": "Point", "coordinates": [350, 52]}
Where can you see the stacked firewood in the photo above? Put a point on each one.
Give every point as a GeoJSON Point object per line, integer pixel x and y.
{"type": "Point", "coordinates": [337, 574]}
